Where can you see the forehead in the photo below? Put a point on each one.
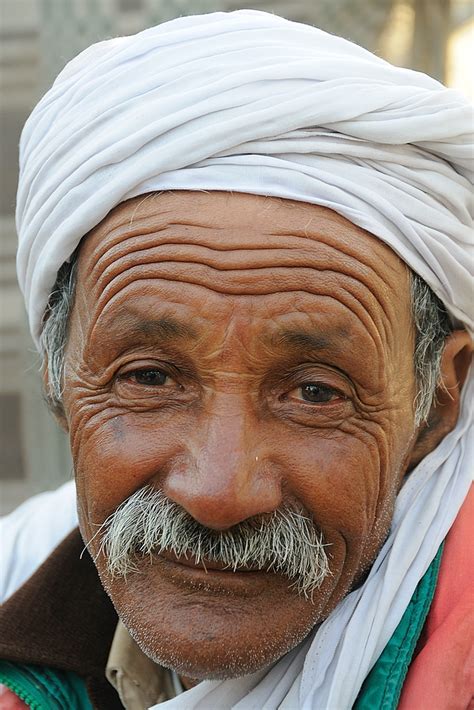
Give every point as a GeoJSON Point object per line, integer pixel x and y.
{"type": "Point", "coordinates": [237, 221]}
{"type": "Point", "coordinates": [224, 252]}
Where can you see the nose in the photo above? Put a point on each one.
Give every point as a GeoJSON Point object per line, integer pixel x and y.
{"type": "Point", "coordinates": [226, 476]}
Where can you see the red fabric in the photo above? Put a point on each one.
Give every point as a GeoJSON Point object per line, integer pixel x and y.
{"type": "Point", "coordinates": [10, 701]}
{"type": "Point", "coordinates": [442, 675]}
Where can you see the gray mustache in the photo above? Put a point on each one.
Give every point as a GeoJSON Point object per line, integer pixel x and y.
{"type": "Point", "coordinates": [148, 523]}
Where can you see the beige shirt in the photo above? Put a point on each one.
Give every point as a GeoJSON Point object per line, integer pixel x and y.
{"type": "Point", "coordinates": [139, 682]}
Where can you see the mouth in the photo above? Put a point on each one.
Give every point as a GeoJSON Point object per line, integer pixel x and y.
{"type": "Point", "coordinates": [207, 566]}
{"type": "Point", "coordinates": [210, 577]}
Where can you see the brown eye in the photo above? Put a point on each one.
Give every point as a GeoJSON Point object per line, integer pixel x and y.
{"type": "Point", "coordinates": [149, 377]}
{"type": "Point", "coordinates": [317, 394]}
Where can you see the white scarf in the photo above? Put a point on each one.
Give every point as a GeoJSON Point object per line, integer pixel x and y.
{"type": "Point", "coordinates": [250, 102]}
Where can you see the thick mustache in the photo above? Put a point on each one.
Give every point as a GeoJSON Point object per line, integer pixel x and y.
{"type": "Point", "coordinates": [285, 541]}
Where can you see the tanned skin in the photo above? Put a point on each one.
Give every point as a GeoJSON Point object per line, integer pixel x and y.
{"type": "Point", "coordinates": [239, 352]}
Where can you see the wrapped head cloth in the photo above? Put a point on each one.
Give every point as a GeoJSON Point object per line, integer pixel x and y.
{"type": "Point", "coordinates": [250, 102]}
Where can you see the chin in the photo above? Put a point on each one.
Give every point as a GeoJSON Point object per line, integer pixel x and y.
{"type": "Point", "coordinates": [211, 661]}
{"type": "Point", "coordinates": [213, 627]}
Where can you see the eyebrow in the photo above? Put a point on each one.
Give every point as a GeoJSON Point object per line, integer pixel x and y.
{"type": "Point", "coordinates": [305, 340]}
{"type": "Point", "coordinates": [168, 328]}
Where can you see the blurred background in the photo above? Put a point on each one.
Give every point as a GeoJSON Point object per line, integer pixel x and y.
{"type": "Point", "coordinates": [37, 38]}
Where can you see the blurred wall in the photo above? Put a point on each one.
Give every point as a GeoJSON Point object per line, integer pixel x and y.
{"type": "Point", "coordinates": [37, 38]}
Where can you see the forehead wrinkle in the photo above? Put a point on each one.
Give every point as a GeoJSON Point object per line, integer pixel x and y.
{"type": "Point", "coordinates": [129, 227]}
{"type": "Point", "coordinates": [232, 282]}
{"type": "Point", "coordinates": [159, 237]}
{"type": "Point", "coordinates": [363, 316]}
{"type": "Point", "coordinates": [113, 240]}
{"type": "Point", "coordinates": [351, 248]}
{"type": "Point", "coordinates": [293, 256]}
{"type": "Point", "coordinates": [113, 289]}
{"type": "Point", "coordinates": [333, 225]}
{"type": "Point", "coordinates": [154, 236]}
{"type": "Point", "coordinates": [156, 251]}
{"type": "Point", "coordinates": [105, 255]}
{"type": "Point", "coordinates": [147, 228]}
{"type": "Point", "coordinates": [235, 260]}
{"type": "Point", "coordinates": [359, 262]}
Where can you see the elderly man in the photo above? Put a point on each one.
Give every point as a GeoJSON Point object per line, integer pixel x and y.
{"type": "Point", "coordinates": [244, 249]}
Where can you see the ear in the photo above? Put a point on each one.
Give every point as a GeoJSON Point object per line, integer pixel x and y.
{"type": "Point", "coordinates": [455, 361]}
{"type": "Point", "coordinates": [56, 409]}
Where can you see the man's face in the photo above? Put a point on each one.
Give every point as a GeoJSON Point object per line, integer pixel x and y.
{"type": "Point", "coordinates": [239, 354]}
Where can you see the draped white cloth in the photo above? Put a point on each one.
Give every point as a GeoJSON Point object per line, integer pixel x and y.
{"type": "Point", "coordinates": [250, 102]}
{"type": "Point", "coordinates": [30, 533]}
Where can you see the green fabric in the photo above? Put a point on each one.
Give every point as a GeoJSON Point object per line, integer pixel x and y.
{"type": "Point", "coordinates": [44, 688]}
{"type": "Point", "coordinates": [382, 688]}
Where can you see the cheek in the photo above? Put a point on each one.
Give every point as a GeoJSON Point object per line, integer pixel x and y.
{"type": "Point", "coordinates": [347, 481]}
{"type": "Point", "coordinates": [116, 453]}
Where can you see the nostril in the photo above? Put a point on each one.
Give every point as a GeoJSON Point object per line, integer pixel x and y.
{"type": "Point", "coordinates": [221, 500]}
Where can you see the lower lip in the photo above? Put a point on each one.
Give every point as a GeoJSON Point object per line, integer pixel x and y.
{"type": "Point", "coordinates": [223, 581]}
{"type": "Point", "coordinates": [204, 566]}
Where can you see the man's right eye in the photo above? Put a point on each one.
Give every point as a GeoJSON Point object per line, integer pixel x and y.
{"type": "Point", "coordinates": [149, 383]}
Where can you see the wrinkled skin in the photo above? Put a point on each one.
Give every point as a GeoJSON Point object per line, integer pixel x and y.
{"type": "Point", "coordinates": [199, 322]}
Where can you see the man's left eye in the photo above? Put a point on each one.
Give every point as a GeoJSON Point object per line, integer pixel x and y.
{"type": "Point", "coordinates": [149, 376]}
{"type": "Point", "coordinates": [316, 393]}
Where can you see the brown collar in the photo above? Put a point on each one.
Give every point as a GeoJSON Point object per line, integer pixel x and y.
{"type": "Point", "coordinates": [62, 618]}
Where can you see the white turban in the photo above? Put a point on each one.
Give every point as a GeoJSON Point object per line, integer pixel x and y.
{"type": "Point", "coordinates": [250, 102]}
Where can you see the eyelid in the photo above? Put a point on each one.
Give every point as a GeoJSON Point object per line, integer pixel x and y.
{"type": "Point", "coordinates": [128, 388]}
{"type": "Point", "coordinates": [130, 368]}
{"type": "Point", "coordinates": [144, 368]}
{"type": "Point", "coordinates": [134, 374]}
{"type": "Point", "coordinates": [319, 374]}
{"type": "Point", "coordinates": [338, 394]}
{"type": "Point", "coordinates": [178, 378]}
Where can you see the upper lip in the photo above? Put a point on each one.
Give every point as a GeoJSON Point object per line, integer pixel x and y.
{"type": "Point", "coordinates": [190, 561]}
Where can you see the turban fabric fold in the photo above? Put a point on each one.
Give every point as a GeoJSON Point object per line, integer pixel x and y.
{"type": "Point", "coordinates": [250, 102]}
